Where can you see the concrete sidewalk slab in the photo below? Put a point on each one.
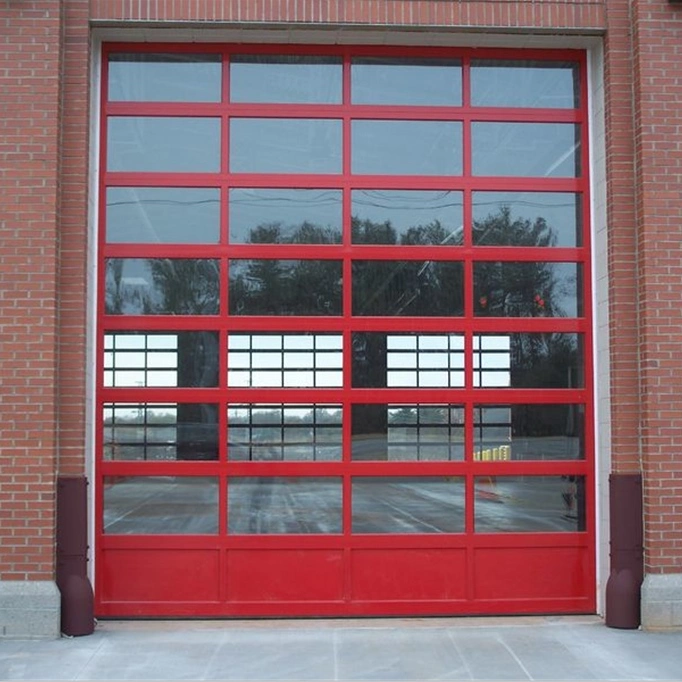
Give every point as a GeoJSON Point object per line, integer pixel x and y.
{"type": "Point", "coordinates": [515, 648]}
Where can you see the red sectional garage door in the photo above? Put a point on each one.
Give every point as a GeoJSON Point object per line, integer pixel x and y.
{"type": "Point", "coordinates": [343, 334]}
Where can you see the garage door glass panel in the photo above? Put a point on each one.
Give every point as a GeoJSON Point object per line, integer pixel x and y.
{"type": "Point", "coordinates": [163, 144]}
{"type": "Point", "coordinates": [279, 145]}
{"type": "Point", "coordinates": [285, 79]}
{"type": "Point", "coordinates": [406, 147]}
{"type": "Point", "coordinates": [429, 82]}
{"type": "Point", "coordinates": [529, 432]}
{"type": "Point", "coordinates": [157, 77]}
{"type": "Point", "coordinates": [526, 149]}
{"type": "Point", "coordinates": [408, 288]}
{"type": "Point", "coordinates": [528, 289]}
{"type": "Point", "coordinates": [386, 360]}
{"type": "Point", "coordinates": [527, 219]}
{"type": "Point", "coordinates": [283, 505]}
{"type": "Point", "coordinates": [294, 360]}
{"type": "Point", "coordinates": [531, 504]}
{"type": "Point", "coordinates": [162, 286]}
{"type": "Point", "coordinates": [532, 360]}
{"type": "Point", "coordinates": [407, 217]}
{"type": "Point", "coordinates": [407, 433]}
{"type": "Point", "coordinates": [161, 359]}
{"type": "Point", "coordinates": [284, 432]}
{"type": "Point", "coordinates": [285, 287]}
{"type": "Point", "coordinates": [525, 83]}
{"type": "Point", "coordinates": [160, 432]}
{"type": "Point", "coordinates": [405, 504]}
{"type": "Point", "coordinates": [162, 215]}
{"type": "Point", "coordinates": [285, 216]}
{"type": "Point", "coordinates": [160, 505]}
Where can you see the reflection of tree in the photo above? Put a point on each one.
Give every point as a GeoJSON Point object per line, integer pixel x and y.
{"type": "Point", "coordinates": [306, 233]}
{"type": "Point", "coordinates": [549, 360]}
{"type": "Point", "coordinates": [181, 286]}
{"type": "Point", "coordinates": [515, 289]}
{"type": "Point", "coordinates": [186, 286]}
{"type": "Point", "coordinates": [384, 287]}
{"type": "Point", "coordinates": [280, 287]}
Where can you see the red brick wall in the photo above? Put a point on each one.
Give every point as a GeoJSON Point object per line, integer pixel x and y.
{"type": "Point", "coordinates": [29, 164]}
{"type": "Point", "coordinates": [657, 36]}
{"type": "Point", "coordinates": [555, 14]}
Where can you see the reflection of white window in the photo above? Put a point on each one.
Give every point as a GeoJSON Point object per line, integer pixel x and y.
{"type": "Point", "coordinates": [140, 360]}
{"type": "Point", "coordinates": [285, 360]}
{"type": "Point", "coordinates": [492, 361]}
{"type": "Point", "coordinates": [425, 361]}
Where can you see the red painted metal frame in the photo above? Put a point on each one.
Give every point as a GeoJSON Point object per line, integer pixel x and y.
{"type": "Point", "coordinates": [109, 602]}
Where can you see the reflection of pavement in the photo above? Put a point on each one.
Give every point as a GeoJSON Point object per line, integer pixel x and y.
{"type": "Point", "coordinates": [158, 505]}
{"type": "Point", "coordinates": [523, 504]}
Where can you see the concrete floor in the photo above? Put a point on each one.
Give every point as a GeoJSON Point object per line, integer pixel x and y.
{"type": "Point", "coordinates": [518, 648]}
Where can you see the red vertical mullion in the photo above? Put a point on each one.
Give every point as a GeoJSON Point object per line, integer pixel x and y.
{"type": "Point", "coordinates": [346, 405]}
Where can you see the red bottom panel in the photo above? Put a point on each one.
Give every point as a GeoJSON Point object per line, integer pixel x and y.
{"type": "Point", "coordinates": [160, 575]}
{"type": "Point", "coordinates": [284, 575]}
{"type": "Point", "coordinates": [531, 573]}
{"type": "Point", "coordinates": [281, 582]}
{"type": "Point", "coordinates": [413, 574]}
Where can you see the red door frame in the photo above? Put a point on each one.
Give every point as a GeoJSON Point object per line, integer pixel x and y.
{"type": "Point", "coordinates": [130, 568]}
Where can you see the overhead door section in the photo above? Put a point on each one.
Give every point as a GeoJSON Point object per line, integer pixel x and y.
{"type": "Point", "coordinates": [343, 334]}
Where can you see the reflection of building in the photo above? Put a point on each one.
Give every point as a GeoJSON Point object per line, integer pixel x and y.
{"type": "Point", "coordinates": [337, 318]}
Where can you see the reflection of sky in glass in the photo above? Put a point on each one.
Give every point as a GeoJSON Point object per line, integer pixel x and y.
{"type": "Point", "coordinates": [525, 149]}
{"type": "Point", "coordinates": [166, 215]}
{"type": "Point", "coordinates": [285, 79]}
{"type": "Point", "coordinates": [428, 82]}
{"type": "Point", "coordinates": [149, 77]}
{"type": "Point", "coordinates": [155, 143]}
{"type": "Point", "coordinates": [406, 147]}
{"type": "Point", "coordinates": [278, 145]}
{"type": "Point", "coordinates": [520, 83]}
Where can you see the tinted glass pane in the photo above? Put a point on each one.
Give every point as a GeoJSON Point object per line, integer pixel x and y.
{"type": "Point", "coordinates": [160, 505]}
{"type": "Point", "coordinates": [402, 504]}
{"type": "Point", "coordinates": [539, 504]}
{"type": "Point", "coordinates": [406, 217]}
{"type": "Point", "coordinates": [284, 432]}
{"type": "Point", "coordinates": [285, 287]}
{"type": "Point", "coordinates": [431, 82]}
{"type": "Point", "coordinates": [162, 286]}
{"type": "Point", "coordinates": [285, 78]}
{"type": "Point", "coordinates": [274, 145]}
{"type": "Point", "coordinates": [147, 77]}
{"type": "Point", "coordinates": [423, 288]}
{"type": "Point", "coordinates": [157, 144]}
{"type": "Point", "coordinates": [526, 149]}
{"type": "Point", "coordinates": [538, 289]}
{"type": "Point", "coordinates": [392, 360]}
{"type": "Point", "coordinates": [406, 147]}
{"type": "Point", "coordinates": [294, 360]}
{"type": "Point", "coordinates": [398, 433]}
{"type": "Point", "coordinates": [528, 360]}
{"type": "Point", "coordinates": [285, 216]}
{"type": "Point", "coordinates": [527, 219]}
{"type": "Point", "coordinates": [162, 359]}
{"type": "Point", "coordinates": [501, 83]}
{"type": "Point", "coordinates": [258, 505]}
{"type": "Point", "coordinates": [529, 432]}
{"type": "Point", "coordinates": [168, 432]}
{"type": "Point", "coordinates": [163, 215]}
